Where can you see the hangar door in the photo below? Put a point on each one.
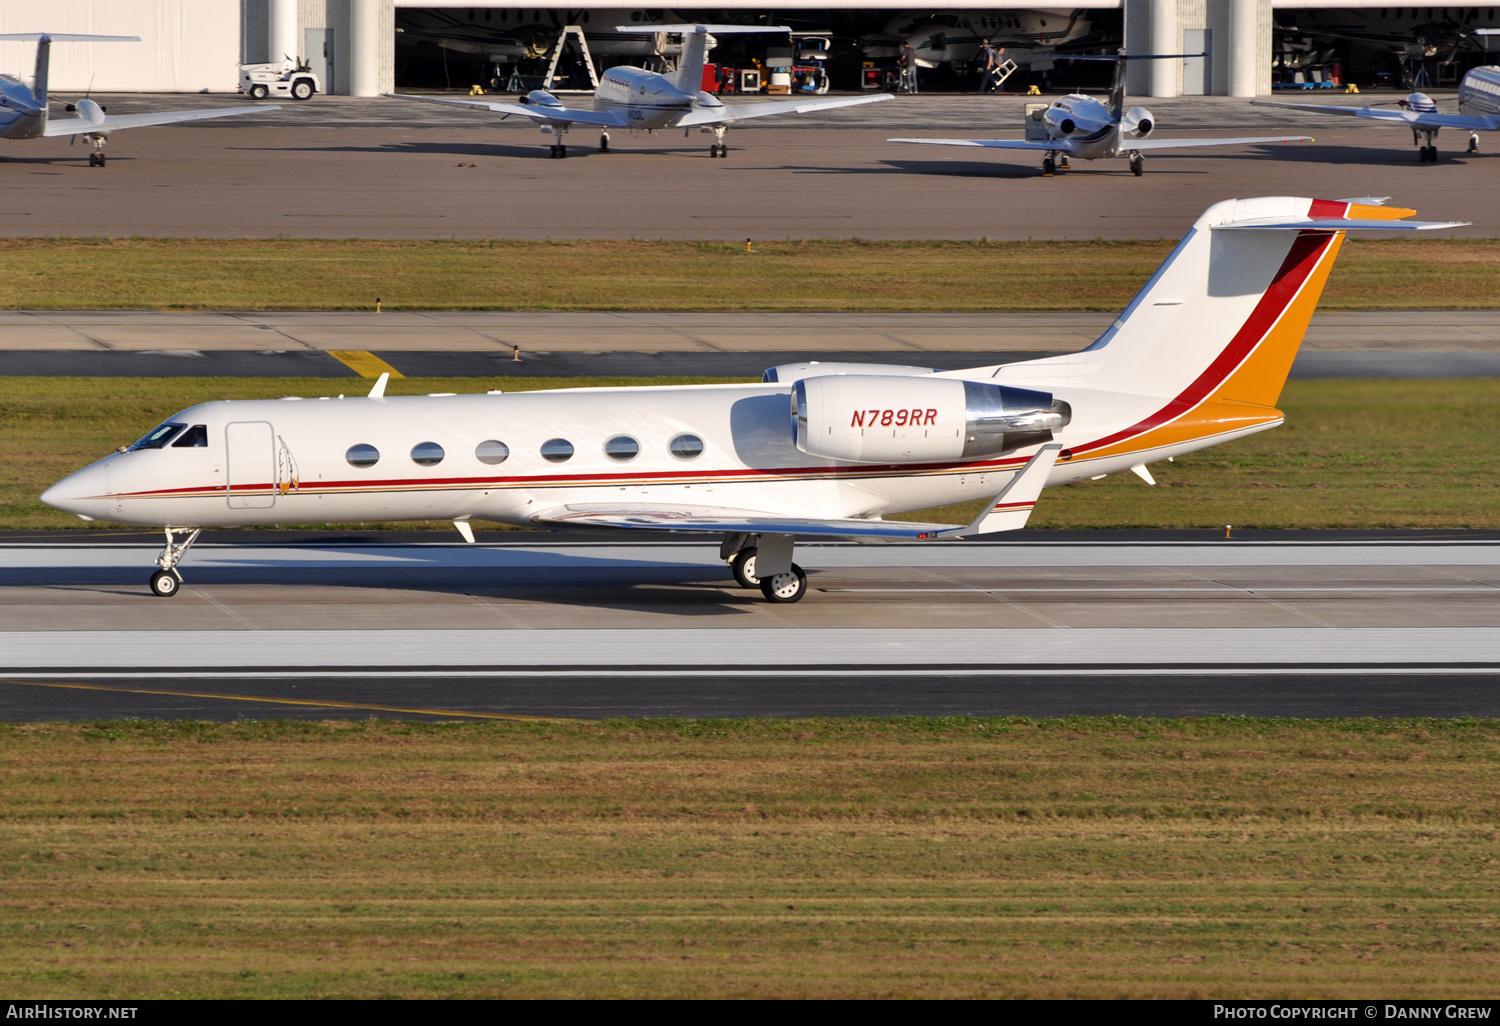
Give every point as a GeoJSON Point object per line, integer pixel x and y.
{"type": "Point", "coordinates": [1197, 72]}
{"type": "Point", "coordinates": [250, 451]}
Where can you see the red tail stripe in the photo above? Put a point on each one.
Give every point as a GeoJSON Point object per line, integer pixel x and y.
{"type": "Point", "coordinates": [1305, 253]}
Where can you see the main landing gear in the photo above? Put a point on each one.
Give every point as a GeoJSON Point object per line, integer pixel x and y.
{"type": "Point", "coordinates": [1053, 163]}
{"type": "Point", "coordinates": [166, 581]}
{"type": "Point", "coordinates": [743, 551]}
{"type": "Point", "coordinates": [1473, 142]}
{"type": "Point", "coordinates": [717, 148]}
{"type": "Point", "coordinates": [1137, 164]}
{"type": "Point", "coordinates": [559, 151]}
{"type": "Point", "coordinates": [603, 142]}
{"type": "Point", "coordinates": [96, 159]}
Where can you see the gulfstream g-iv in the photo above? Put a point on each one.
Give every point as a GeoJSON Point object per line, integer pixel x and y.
{"type": "Point", "coordinates": [1199, 357]}
{"type": "Point", "coordinates": [23, 109]}
{"type": "Point", "coordinates": [641, 100]}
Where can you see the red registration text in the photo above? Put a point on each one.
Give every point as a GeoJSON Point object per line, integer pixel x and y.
{"type": "Point", "coordinates": [893, 418]}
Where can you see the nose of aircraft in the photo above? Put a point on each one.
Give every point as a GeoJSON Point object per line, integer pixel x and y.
{"type": "Point", "coordinates": [81, 492]}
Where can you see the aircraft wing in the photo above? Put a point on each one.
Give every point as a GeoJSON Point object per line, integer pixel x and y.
{"type": "Point", "coordinates": [766, 108]}
{"type": "Point", "coordinates": [78, 126]}
{"type": "Point", "coordinates": [1056, 146]}
{"type": "Point", "coordinates": [1143, 145]}
{"type": "Point", "coordinates": [1430, 119]}
{"type": "Point", "coordinates": [718, 520]}
{"type": "Point", "coordinates": [535, 111]}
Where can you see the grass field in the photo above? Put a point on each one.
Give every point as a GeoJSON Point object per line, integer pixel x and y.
{"type": "Point", "coordinates": [931, 858]}
{"type": "Point", "coordinates": [1362, 454]}
{"type": "Point", "coordinates": [255, 274]}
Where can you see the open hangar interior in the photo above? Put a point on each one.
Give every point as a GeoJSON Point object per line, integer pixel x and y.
{"type": "Point", "coordinates": [366, 47]}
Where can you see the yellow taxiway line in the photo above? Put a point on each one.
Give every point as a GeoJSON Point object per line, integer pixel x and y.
{"type": "Point", "coordinates": [285, 701]}
{"type": "Point", "coordinates": [366, 365]}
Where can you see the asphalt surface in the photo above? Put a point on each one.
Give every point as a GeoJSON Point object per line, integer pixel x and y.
{"type": "Point", "coordinates": [389, 624]}
{"type": "Point", "coordinates": [498, 182]}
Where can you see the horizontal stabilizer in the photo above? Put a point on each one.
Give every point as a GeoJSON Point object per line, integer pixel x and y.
{"type": "Point", "coordinates": [715, 520]}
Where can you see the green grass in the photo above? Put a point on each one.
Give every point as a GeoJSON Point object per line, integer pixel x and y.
{"type": "Point", "coordinates": [254, 274]}
{"type": "Point", "coordinates": [1352, 454]}
{"type": "Point", "coordinates": [933, 858]}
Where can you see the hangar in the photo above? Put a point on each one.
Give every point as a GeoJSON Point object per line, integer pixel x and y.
{"type": "Point", "coordinates": [1249, 45]}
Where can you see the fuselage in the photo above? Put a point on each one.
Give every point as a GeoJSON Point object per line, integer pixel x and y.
{"type": "Point", "coordinates": [439, 457]}
{"type": "Point", "coordinates": [21, 116]}
{"type": "Point", "coordinates": [1479, 92]}
{"type": "Point", "coordinates": [647, 100]}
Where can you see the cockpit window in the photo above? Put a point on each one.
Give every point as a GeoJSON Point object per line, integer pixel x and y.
{"type": "Point", "coordinates": [158, 436]}
{"type": "Point", "coordinates": [195, 437]}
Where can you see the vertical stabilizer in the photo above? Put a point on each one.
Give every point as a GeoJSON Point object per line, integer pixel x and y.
{"type": "Point", "coordinates": [695, 46]}
{"type": "Point", "coordinates": [1117, 87]}
{"type": "Point", "coordinates": [39, 80]}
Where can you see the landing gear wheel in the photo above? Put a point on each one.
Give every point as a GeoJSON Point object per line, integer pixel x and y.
{"type": "Point", "coordinates": [165, 583]}
{"type": "Point", "coordinates": [1428, 155]}
{"type": "Point", "coordinates": [302, 89]}
{"type": "Point", "coordinates": [1062, 164]}
{"type": "Point", "coordinates": [562, 151]}
{"type": "Point", "coordinates": [743, 566]}
{"type": "Point", "coordinates": [787, 587]}
{"type": "Point", "coordinates": [1137, 166]}
{"type": "Point", "coordinates": [259, 92]}
{"type": "Point", "coordinates": [93, 160]}
{"type": "Point", "coordinates": [603, 142]}
{"type": "Point", "coordinates": [1049, 167]}
{"type": "Point", "coordinates": [1473, 142]}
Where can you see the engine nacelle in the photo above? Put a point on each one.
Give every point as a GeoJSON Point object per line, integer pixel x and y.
{"type": "Point", "coordinates": [1137, 123]}
{"type": "Point", "coordinates": [1420, 103]}
{"type": "Point", "coordinates": [903, 419]}
{"type": "Point", "coordinates": [541, 98]}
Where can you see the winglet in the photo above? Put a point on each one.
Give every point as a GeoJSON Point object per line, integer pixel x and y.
{"type": "Point", "coordinates": [378, 392]}
{"type": "Point", "coordinates": [1012, 507]}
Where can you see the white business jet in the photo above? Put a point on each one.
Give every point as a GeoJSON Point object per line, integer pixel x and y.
{"type": "Point", "coordinates": [1199, 357]}
{"type": "Point", "coordinates": [1478, 111]}
{"type": "Point", "coordinates": [641, 100]}
{"type": "Point", "coordinates": [23, 110]}
{"type": "Point", "coordinates": [1081, 126]}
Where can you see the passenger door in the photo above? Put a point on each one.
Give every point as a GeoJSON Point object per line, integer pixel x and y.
{"type": "Point", "coordinates": [250, 458]}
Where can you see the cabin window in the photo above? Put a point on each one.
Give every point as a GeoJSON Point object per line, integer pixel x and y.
{"type": "Point", "coordinates": [158, 436]}
{"type": "Point", "coordinates": [491, 452]}
{"type": "Point", "coordinates": [362, 455]}
{"type": "Point", "coordinates": [557, 450]}
{"type": "Point", "coordinates": [195, 437]}
{"type": "Point", "coordinates": [427, 454]}
{"type": "Point", "coordinates": [622, 448]}
{"type": "Point", "coordinates": [686, 447]}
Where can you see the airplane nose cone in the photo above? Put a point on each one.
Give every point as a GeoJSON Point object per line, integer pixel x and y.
{"type": "Point", "coordinates": [81, 492]}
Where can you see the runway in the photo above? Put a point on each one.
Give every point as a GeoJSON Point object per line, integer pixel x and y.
{"type": "Point", "coordinates": [496, 181]}
{"type": "Point", "coordinates": [1323, 624]}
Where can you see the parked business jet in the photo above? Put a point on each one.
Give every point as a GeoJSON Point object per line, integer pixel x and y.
{"type": "Point", "coordinates": [1478, 111]}
{"type": "Point", "coordinates": [23, 111]}
{"type": "Point", "coordinates": [642, 100]}
{"type": "Point", "coordinates": [1199, 357]}
{"type": "Point", "coordinates": [1081, 126]}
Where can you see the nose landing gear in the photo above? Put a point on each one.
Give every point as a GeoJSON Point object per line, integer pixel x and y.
{"type": "Point", "coordinates": [717, 148]}
{"type": "Point", "coordinates": [167, 581]}
{"type": "Point", "coordinates": [96, 159]}
{"type": "Point", "coordinates": [603, 142]}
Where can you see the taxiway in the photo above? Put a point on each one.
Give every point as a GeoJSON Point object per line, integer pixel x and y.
{"type": "Point", "coordinates": [1160, 625]}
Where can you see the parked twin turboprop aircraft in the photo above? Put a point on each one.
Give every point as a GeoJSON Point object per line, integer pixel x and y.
{"type": "Point", "coordinates": [642, 100]}
{"type": "Point", "coordinates": [23, 111]}
{"type": "Point", "coordinates": [1478, 111]}
{"type": "Point", "coordinates": [1199, 357]}
{"type": "Point", "coordinates": [1080, 126]}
